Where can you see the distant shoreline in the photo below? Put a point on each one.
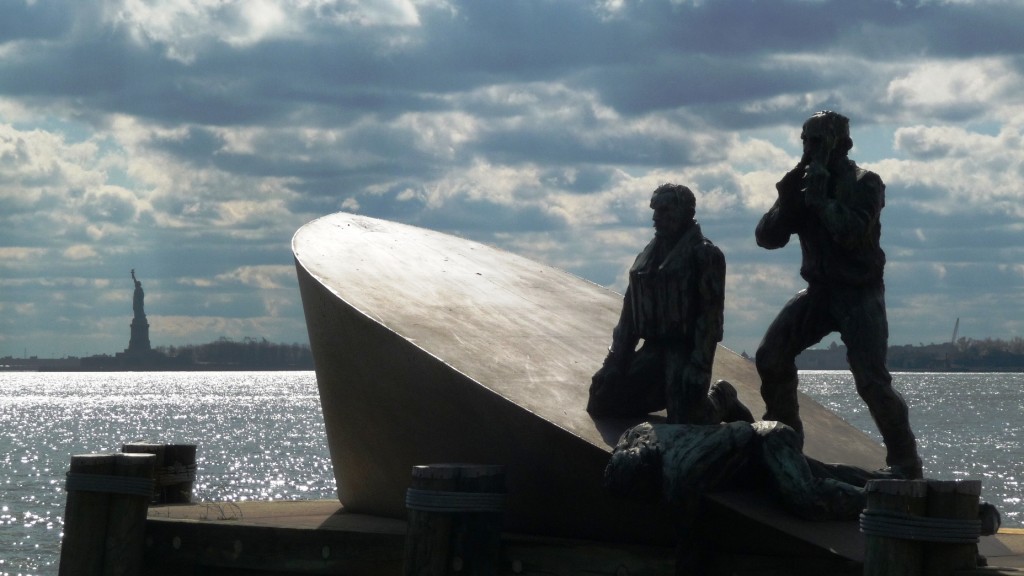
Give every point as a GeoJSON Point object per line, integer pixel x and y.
{"type": "Point", "coordinates": [985, 356]}
{"type": "Point", "coordinates": [1010, 370]}
{"type": "Point", "coordinates": [72, 365]}
{"type": "Point", "coordinates": [223, 355]}
{"type": "Point", "coordinates": [965, 355]}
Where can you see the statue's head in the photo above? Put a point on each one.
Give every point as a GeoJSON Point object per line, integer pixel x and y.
{"type": "Point", "coordinates": [674, 207]}
{"type": "Point", "coordinates": [826, 135]}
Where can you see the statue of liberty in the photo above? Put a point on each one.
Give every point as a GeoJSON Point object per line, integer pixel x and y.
{"type": "Point", "coordinates": [139, 342]}
{"type": "Point", "coordinates": [138, 299]}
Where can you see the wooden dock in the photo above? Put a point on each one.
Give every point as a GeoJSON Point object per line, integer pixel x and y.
{"type": "Point", "coordinates": [320, 537]}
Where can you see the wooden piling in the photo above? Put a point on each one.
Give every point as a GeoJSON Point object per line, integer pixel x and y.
{"type": "Point", "coordinates": [957, 501]}
{"type": "Point", "coordinates": [126, 518]}
{"type": "Point", "coordinates": [455, 513]}
{"type": "Point", "coordinates": [85, 518]}
{"type": "Point", "coordinates": [882, 555]}
{"type": "Point", "coordinates": [105, 514]}
{"type": "Point", "coordinates": [175, 470]}
{"type": "Point", "coordinates": [920, 528]}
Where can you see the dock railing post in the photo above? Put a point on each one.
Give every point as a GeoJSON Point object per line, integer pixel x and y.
{"type": "Point", "coordinates": [455, 515]}
{"type": "Point", "coordinates": [921, 527]}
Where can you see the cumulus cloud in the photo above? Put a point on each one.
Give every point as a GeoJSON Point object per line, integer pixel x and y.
{"type": "Point", "coordinates": [964, 167]}
{"type": "Point", "coordinates": [954, 88]}
{"type": "Point", "coordinates": [190, 28]}
{"type": "Point", "coordinates": [262, 277]}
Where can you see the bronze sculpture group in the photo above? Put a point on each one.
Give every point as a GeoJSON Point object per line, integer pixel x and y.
{"type": "Point", "coordinates": [674, 304]}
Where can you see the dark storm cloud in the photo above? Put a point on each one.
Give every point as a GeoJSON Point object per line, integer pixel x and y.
{"type": "Point", "coordinates": [975, 28]}
{"type": "Point", "coordinates": [480, 219]}
{"type": "Point", "coordinates": [580, 146]}
{"type": "Point", "coordinates": [653, 56]}
{"type": "Point", "coordinates": [693, 80]}
{"type": "Point", "coordinates": [33, 20]}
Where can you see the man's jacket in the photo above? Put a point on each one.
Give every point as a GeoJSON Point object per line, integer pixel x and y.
{"type": "Point", "coordinates": [838, 226]}
{"type": "Point", "coordinates": [678, 297]}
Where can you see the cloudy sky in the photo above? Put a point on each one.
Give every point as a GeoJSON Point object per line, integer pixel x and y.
{"type": "Point", "coordinates": [190, 139]}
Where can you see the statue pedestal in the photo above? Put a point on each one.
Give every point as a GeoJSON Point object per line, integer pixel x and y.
{"type": "Point", "coordinates": [140, 336]}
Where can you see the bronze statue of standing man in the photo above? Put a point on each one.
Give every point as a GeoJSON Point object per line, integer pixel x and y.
{"type": "Point", "coordinates": [675, 303]}
{"type": "Point", "coordinates": [834, 206]}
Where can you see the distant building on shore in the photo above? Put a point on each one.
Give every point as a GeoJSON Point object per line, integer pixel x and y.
{"type": "Point", "coordinates": [831, 358]}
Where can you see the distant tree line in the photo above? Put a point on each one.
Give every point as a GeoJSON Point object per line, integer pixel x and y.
{"type": "Point", "coordinates": [249, 352]}
{"type": "Point", "coordinates": [964, 355]}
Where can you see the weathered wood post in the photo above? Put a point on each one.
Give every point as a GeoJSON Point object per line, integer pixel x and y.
{"type": "Point", "coordinates": [126, 518]}
{"type": "Point", "coordinates": [918, 527]}
{"type": "Point", "coordinates": [952, 547]}
{"type": "Point", "coordinates": [884, 554]}
{"type": "Point", "coordinates": [105, 514]}
{"type": "Point", "coordinates": [175, 470]}
{"type": "Point", "coordinates": [85, 517]}
{"type": "Point", "coordinates": [455, 513]}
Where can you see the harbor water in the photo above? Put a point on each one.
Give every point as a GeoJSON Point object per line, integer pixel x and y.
{"type": "Point", "coordinates": [260, 436]}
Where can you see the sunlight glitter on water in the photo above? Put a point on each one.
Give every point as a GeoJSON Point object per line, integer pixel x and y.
{"type": "Point", "coordinates": [260, 436]}
{"type": "Point", "coordinates": [968, 426]}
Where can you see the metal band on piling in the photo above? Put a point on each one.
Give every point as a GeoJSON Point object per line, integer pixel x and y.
{"type": "Point", "coordinates": [455, 513]}
{"type": "Point", "coordinates": [442, 501]}
{"type": "Point", "coordinates": [892, 524]}
{"type": "Point", "coordinates": [175, 474]}
{"type": "Point", "coordinates": [105, 515]}
{"type": "Point", "coordinates": [109, 484]}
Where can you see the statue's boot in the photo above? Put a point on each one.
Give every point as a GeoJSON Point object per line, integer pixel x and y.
{"type": "Point", "coordinates": [906, 471]}
{"type": "Point", "coordinates": [902, 460]}
{"type": "Point", "coordinates": [726, 403]}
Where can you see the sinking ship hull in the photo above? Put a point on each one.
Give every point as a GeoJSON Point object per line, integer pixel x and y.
{"type": "Point", "coordinates": [433, 349]}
